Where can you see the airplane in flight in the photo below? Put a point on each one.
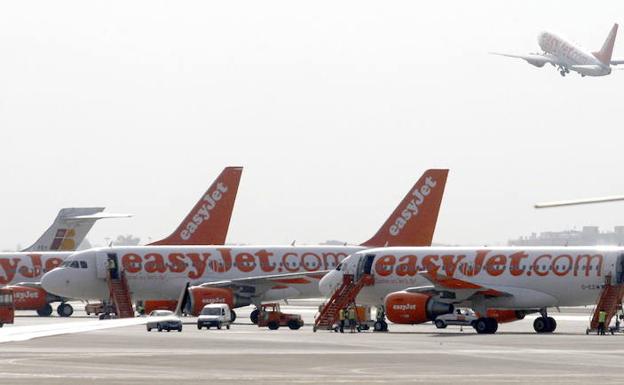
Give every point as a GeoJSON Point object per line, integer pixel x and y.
{"type": "Point", "coordinates": [207, 223]}
{"type": "Point", "coordinates": [567, 56]}
{"type": "Point", "coordinates": [241, 275]}
{"type": "Point", "coordinates": [501, 284]}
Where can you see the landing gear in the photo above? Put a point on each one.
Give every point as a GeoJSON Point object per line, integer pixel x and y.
{"type": "Point", "coordinates": [544, 324]}
{"type": "Point", "coordinates": [486, 325]}
{"type": "Point", "coordinates": [380, 326]}
{"type": "Point", "coordinates": [45, 311]}
{"type": "Point", "coordinates": [254, 316]}
{"type": "Point", "coordinates": [232, 316]}
{"type": "Point", "coordinates": [65, 310]}
{"type": "Point", "coordinates": [563, 71]}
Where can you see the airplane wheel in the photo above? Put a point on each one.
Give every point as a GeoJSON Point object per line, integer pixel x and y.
{"type": "Point", "coordinates": [45, 311]}
{"type": "Point", "coordinates": [486, 326]}
{"type": "Point", "coordinates": [542, 325]}
{"type": "Point", "coordinates": [552, 324]}
{"type": "Point", "coordinates": [378, 326]}
{"type": "Point", "coordinates": [254, 316]}
{"type": "Point", "coordinates": [232, 315]}
{"type": "Point", "coordinates": [65, 310]}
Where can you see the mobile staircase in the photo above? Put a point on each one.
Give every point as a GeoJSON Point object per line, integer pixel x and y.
{"type": "Point", "coordinates": [610, 301]}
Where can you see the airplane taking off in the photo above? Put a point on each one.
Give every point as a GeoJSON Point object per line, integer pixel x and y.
{"type": "Point", "coordinates": [21, 272]}
{"type": "Point", "coordinates": [240, 275]}
{"type": "Point", "coordinates": [567, 56]}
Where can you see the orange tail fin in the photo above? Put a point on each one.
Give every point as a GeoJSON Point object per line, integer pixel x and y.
{"type": "Point", "coordinates": [413, 222]}
{"type": "Point", "coordinates": [209, 220]}
{"type": "Point", "coordinates": [605, 53]}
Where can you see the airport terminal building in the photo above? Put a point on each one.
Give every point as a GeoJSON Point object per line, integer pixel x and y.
{"type": "Point", "coordinates": [587, 236]}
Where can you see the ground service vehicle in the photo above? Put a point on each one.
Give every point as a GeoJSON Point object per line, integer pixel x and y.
{"type": "Point", "coordinates": [94, 308]}
{"type": "Point", "coordinates": [215, 314]}
{"type": "Point", "coordinates": [164, 320]}
{"type": "Point", "coordinates": [7, 307]}
{"type": "Point", "coordinates": [461, 317]}
{"type": "Point", "coordinates": [271, 316]}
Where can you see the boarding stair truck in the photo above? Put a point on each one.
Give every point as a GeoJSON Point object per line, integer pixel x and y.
{"type": "Point", "coordinates": [215, 314]}
{"type": "Point", "coordinates": [271, 316]}
{"type": "Point", "coordinates": [610, 299]}
{"type": "Point", "coordinates": [7, 307]}
{"type": "Point", "coordinates": [345, 295]}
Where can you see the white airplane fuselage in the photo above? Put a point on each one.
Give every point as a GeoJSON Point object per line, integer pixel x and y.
{"type": "Point", "coordinates": [570, 55]}
{"type": "Point", "coordinates": [21, 267]}
{"type": "Point", "coordinates": [162, 272]}
{"type": "Point", "coordinates": [529, 278]}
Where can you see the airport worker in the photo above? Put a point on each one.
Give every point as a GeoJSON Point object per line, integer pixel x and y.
{"type": "Point", "coordinates": [602, 317]}
{"type": "Point", "coordinates": [352, 318]}
{"type": "Point", "coordinates": [341, 318]}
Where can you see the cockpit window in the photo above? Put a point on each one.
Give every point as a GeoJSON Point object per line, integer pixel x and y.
{"type": "Point", "coordinates": [83, 264]}
{"type": "Point", "coordinates": [74, 264]}
{"type": "Point", "coordinates": [339, 266]}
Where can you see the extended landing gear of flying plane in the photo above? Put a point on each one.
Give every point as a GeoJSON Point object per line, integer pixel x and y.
{"type": "Point", "coordinates": [486, 325]}
{"type": "Point", "coordinates": [563, 71]}
{"type": "Point", "coordinates": [65, 310]}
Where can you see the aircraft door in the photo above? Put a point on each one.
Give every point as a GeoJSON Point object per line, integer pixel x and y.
{"type": "Point", "coordinates": [619, 269]}
{"type": "Point", "coordinates": [101, 265]}
{"type": "Point", "coordinates": [365, 266]}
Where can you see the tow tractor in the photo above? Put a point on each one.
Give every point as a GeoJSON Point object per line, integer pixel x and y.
{"type": "Point", "coordinates": [7, 307]}
{"type": "Point", "coordinates": [271, 316]}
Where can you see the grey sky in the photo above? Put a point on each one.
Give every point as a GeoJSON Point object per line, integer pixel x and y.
{"type": "Point", "coordinates": [334, 108]}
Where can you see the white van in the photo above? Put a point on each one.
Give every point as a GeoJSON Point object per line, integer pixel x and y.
{"type": "Point", "coordinates": [215, 314]}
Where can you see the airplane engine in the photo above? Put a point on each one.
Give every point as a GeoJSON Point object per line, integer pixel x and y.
{"type": "Point", "coordinates": [503, 316]}
{"type": "Point", "coordinates": [413, 308]}
{"type": "Point", "coordinates": [536, 63]}
{"type": "Point", "coordinates": [29, 298]}
{"type": "Point", "coordinates": [201, 296]}
{"type": "Point", "coordinates": [155, 304]}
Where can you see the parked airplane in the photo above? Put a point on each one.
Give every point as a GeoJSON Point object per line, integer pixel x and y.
{"type": "Point", "coordinates": [501, 284]}
{"type": "Point", "coordinates": [207, 222]}
{"type": "Point", "coordinates": [567, 56]}
{"type": "Point", "coordinates": [241, 275]}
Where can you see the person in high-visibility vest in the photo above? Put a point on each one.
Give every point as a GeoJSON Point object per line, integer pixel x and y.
{"type": "Point", "coordinates": [352, 315]}
{"type": "Point", "coordinates": [602, 318]}
{"type": "Point", "coordinates": [341, 318]}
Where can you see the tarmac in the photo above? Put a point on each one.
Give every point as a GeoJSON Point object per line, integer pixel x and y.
{"type": "Point", "coordinates": [82, 349]}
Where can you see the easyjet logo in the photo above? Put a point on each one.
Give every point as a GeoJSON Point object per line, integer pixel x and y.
{"type": "Point", "coordinates": [203, 213]}
{"type": "Point", "coordinates": [25, 295]}
{"type": "Point", "coordinates": [404, 307]}
{"type": "Point", "coordinates": [494, 264]}
{"type": "Point", "coordinates": [412, 208]}
{"type": "Point", "coordinates": [195, 265]}
{"type": "Point", "coordinates": [25, 267]}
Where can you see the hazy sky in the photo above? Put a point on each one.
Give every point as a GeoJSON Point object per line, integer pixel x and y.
{"type": "Point", "coordinates": [334, 108]}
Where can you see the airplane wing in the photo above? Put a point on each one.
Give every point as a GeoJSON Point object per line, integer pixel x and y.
{"type": "Point", "coordinates": [576, 202]}
{"type": "Point", "coordinates": [536, 59]}
{"type": "Point", "coordinates": [443, 283]}
{"type": "Point", "coordinates": [273, 279]}
{"type": "Point", "coordinates": [616, 62]}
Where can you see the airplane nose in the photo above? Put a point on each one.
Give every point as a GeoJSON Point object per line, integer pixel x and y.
{"type": "Point", "coordinates": [54, 282]}
{"type": "Point", "coordinates": [328, 283]}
